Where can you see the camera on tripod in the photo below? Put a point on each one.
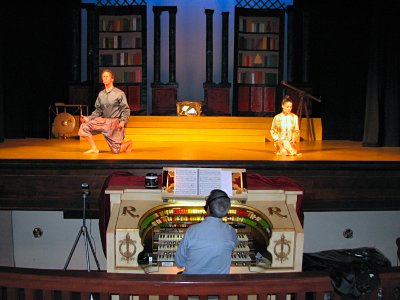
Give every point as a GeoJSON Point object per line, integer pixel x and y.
{"type": "Point", "coordinates": [85, 188]}
{"type": "Point", "coordinates": [84, 232]}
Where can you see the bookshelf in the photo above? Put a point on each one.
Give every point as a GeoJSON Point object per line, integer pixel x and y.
{"type": "Point", "coordinates": [258, 58]}
{"type": "Point", "coordinates": [121, 47]}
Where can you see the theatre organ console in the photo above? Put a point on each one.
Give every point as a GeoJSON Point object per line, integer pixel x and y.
{"type": "Point", "coordinates": [146, 226]}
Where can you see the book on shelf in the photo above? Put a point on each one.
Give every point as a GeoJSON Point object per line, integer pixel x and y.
{"type": "Point", "coordinates": [258, 44]}
{"type": "Point", "coordinates": [117, 41]}
{"type": "Point", "coordinates": [113, 42]}
{"type": "Point", "coordinates": [261, 25]}
{"type": "Point", "coordinates": [248, 61]}
{"type": "Point", "coordinates": [136, 23]}
{"type": "Point", "coordinates": [242, 77]}
{"type": "Point", "coordinates": [137, 58]}
{"type": "Point", "coordinates": [275, 26]}
{"type": "Point", "coordinates": [258, 77]}
{"type": "Point", "coordinates": [273, 60]}
{"type": "Point", "coordinates": [266, 60]}
{"type": "Point", "coordinates": [252, 77]}
{"type": "Point", "coordinates": [272, 43]}
{"type": "Point", "coordinates": [109, 25]}
{"type": "Point", "coordinates": [122, 24]}
{"type": "Point", "coordinates": [127, 42]}
{"type": "Point", "coordinates": [268, 27]}
{"type": "Point", "coordinates": [264, 43]}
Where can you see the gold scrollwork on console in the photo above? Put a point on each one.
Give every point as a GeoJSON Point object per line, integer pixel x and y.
{"type": "Point", "coordinates": [127, 248]}
{"type": "Point", "coordinates": [282, 249]}
{"type": "Point", "coordinates": [276, 211]}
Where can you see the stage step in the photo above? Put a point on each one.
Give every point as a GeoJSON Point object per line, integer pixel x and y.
{"type": "Point", "coordinates": [199, 129]}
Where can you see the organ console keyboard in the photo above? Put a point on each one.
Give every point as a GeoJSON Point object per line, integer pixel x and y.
{"type": "Point", "coordinates": [146, 226]}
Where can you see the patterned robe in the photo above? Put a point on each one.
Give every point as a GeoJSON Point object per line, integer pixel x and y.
{"type": "Point", "coordinates": [285, 132]}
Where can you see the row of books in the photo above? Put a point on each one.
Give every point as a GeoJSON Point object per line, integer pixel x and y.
{"type": "Point", "coordinates": [129, 76]}
{"type": "Point", "coordinates": [263, 43]}
{"type": "Point", "coordinates": [262, 26]}
{"type": "Point", "coordinates": [269, 60]}
{"type": "Point", "coordinates": [132, 76]}
{"type": "Point", "coordinates": [121, 59]}
{"type": "Point", "coordinates": [118, 41]}
{"type": "Point", "coordinates": [127, 23]}
{"type": "Point", "coordinates": [257, 77]}
{"type": "Point", "coordinates": [256, 99]}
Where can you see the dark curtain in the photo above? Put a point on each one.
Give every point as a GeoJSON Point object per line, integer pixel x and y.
{"type": "Point", "coordinates": [36, 64]}
{"type": "Point", "coordinates": [1, 100]}
{"type": "Point", "coordinates": [382, 122]}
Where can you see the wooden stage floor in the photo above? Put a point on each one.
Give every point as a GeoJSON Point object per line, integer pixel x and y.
{"type": "Point", "coordinates": [73, 149]}
{"type": "Point", "coordinates": [46, 174]}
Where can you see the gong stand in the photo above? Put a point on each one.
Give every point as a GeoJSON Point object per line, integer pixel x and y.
{"type": "Point", "coordinates": [64, 122]}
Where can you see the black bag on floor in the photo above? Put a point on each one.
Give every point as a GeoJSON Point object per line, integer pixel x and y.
{"type": "Point", "coordinates": [353, 272]}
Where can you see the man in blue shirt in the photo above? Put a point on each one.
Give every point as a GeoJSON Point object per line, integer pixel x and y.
{"type": "Point", "coordinates": [206, 248]}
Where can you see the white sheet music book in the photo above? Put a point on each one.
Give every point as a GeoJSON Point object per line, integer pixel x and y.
{"type": "Point", "coordinates": [201, 181]}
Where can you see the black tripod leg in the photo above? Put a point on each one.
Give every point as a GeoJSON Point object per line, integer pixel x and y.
{"type": "Point", "coordinates": [309, 123]}
{"type": "Point", "coordinates": [94, 254]}
{"type": "Point", "coordinates": [73, 249]}
{"type": "Point", "coordinates": [86, 248]}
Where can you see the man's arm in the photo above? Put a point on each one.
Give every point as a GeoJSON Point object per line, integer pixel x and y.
{"type": "Point", "coordinates": [180, 255]}
{"type": "Point", "coordinates": [125, 110]}
{"type": "Point", "coordinates": [97, 109]}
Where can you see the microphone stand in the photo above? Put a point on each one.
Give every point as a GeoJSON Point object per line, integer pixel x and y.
{"type": "Point", "coordinates": [83, 231]}
{"type": "Point", "coordinates": [303, 96]}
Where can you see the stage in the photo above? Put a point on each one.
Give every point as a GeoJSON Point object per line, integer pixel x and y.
{"type": "Point", "coordinates": [73, 149]}
{"type": "Point", "coordinates": [46, 174]}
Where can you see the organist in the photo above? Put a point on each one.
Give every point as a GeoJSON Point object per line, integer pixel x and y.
{"type": "Point", "coordinates": [207, 247]}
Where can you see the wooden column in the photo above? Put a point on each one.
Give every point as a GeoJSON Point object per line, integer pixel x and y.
{"type": "Point", "coordinates": [225, 41]}
{"type": "Point", "coordinates": [209, 45]}
{"type": "Point", "coordinates": [164, 94]}
{"type": "Point", "coordinates": [172, 44]}
{"type": "Point", "coordinates": [157, 45]}
{"type": "Point", "coordinates": [216, 96]}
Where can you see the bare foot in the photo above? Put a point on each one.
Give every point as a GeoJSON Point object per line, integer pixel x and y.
{"type": "Point", "coordinates": [95, 150]}
{"type": "Point", "coordinates": [126, 146]}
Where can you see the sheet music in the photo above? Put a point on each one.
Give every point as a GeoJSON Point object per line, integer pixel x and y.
{"type": "Point", "coordinates": [209, 179]}
{"type": "Point", "coordinates": [186, 181]}
{"type": "Point", "coordinates": [201, 181]}
{"type": "Point", "coordinates": [226, 182]}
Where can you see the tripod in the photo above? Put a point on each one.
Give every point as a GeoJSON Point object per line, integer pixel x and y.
{"type": "Point", "coordinates": [83, 231]}
{"type": "Point", "coordinates": [304, 96]}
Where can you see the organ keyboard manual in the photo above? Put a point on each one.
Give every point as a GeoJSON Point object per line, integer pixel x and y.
{"type": "Point", "coordinates": [146, 225]}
